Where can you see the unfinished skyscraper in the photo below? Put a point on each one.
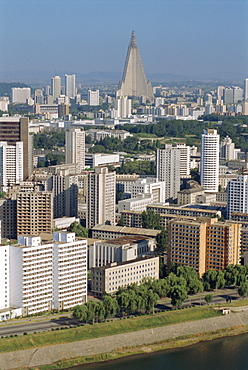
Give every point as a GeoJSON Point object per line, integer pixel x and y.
{"type": "Point", "coordinates": [134, 83]}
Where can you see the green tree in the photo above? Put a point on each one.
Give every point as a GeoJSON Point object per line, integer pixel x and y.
{"type": "Point", "coordinates": [79, 230]}
{"type": "Point", "coordinates": [80, 312]}
{"type": "Point", "coordinates": [231, 275]}
{"type": "Point", "coordinates": [243, 289]}
{"type": "Point", "coordinates": [150, 220]}
{"type": "Point", "coordinates": [161, 240]}
{"type": "Point", "coordinates": [151, 299]}
{"type": "Point", "coordinates": [209, 279]}
{"type": "Point", "coordinates": [110, 305]}
{"type": "Point", "coordinates": [123, 301]}
{"type": "Point", "coordinates": [208, 298]}
{"type": "Point", "coordinates": [220, 280]}
{"type": "Point", "coordinates": [178, 294]}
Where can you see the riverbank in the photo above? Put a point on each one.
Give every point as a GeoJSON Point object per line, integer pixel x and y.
{"type": "Point", "coordinates": [184, 341]}
{"type": "Point", "coordinates": [119, 345]}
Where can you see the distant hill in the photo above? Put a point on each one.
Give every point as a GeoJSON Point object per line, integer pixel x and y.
{"type": "Point", "coordinates": [5, 87]}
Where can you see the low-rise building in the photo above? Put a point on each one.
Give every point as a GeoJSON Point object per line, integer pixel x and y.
{"type": "Point", "coordinates": [121, 249]}
{"type": "Point", "coordinates": [139, 203]}
{"type": "Point", "coordinates": [183, 211]}
{"type": "Point", "coordinates": [108, 279]}
{"type": "Point", "coordinates": [112, 232]}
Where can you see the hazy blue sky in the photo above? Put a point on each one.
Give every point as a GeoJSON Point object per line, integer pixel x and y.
{"type": "Point", "coordinates": [183, 37]}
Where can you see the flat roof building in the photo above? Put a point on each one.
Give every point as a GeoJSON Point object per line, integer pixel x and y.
{"type": "Point", "coordinates": [109, 279]}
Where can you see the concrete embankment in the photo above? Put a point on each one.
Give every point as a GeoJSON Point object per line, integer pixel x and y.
{"type": "Point", "coordinates": [50, 354]}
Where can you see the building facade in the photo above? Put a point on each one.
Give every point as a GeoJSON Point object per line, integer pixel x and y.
{"type": "Point", "coordinates": [121, 249]}
{"type": "Point", "coordinates": [70, 86]}
{"type": "Point", "coordinates": [204, 244]}
{"type": "Point", "coordinates": [40, 276]}
{"type": "Point", "coordinates": [75, 147]}
{"type": "Point", "coordinates": [168, 170]}
{"type": "Point", "coordinates": [11, 164]}
{"type": "Point", "coordinates": [109, 279]}
{"type": "Point", "coordinates": [101, 197]}
{"type": "Point", "coordinates": [93, 97]}
{"type": "Point", "coordinates": [55, 87]}
{"type": "Point", "coordinates": [34, 212]}
{"type": "Point", "coordinates": [210, 161]}
{"type": "Point", "coordinates": [237, 195]}
{"type": "Point", "coordinates": [13, 130]}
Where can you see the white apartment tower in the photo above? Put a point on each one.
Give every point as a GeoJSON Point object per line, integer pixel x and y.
{"type": "Point", "coordinates": [168, 170]}
{"type": "Point", "coordinates": [246, 89]}
{"type": "Point", "coordinates": [38, 277]}
{"type": "Point", "coordinates": [184, 159]}
{"type": "Point", "coordinates": [93, 97]}
{"type": "Point", "coordinates": [70, 86]}
{"type": "Point", "coordinates": [101, 197]}
{"type": "Point", "coordinates": [75, 147]}
{"type": "Point", "coordinates": [11, 164]}
{"type": "Point", "coordinates": [20, 94]}
{"type": "Point", "coordinates": [122, 107]}
{"type": "Point", "coordinates": [227, 149]}
{"type": "Point", "coordinates": [210, 160]}
{"type": "Point", "coordinates": [237, 195]}
{"type": "Point", "coordinates": [56, 87]}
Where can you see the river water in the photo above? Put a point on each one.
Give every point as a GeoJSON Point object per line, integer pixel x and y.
{"type": "Point", "coordinates": [229, 353]}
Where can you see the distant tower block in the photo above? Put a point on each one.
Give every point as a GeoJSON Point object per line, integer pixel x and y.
{"type": "Point", "coordinates": [134, 83]}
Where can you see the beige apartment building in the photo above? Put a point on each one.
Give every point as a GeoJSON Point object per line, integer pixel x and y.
{"type": "Point", "coordinates": [107, 279]}
{"type": "Point", "coordinates": [204, 243]}
{"type": "Point", "coordinates": [34, 212]}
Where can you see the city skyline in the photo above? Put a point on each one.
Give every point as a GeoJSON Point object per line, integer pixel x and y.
{"type": "Point", "coordinates": [174, 37]}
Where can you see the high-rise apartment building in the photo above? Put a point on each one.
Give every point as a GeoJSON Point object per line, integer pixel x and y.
{"type": "Point", "coordinates": [69, 271]}
{"type": "Point", "coordinates": [168, 170]}
{"type": "Point", "coordinates": [122, 107]}
{"type": "Point", "coordinates": [75, 147]}
{"type": "Point", "coordinates": [233, 95]}
{"type": "Point", "coordinates": [70, 86]}
{"type": "Point", "coordinates": [38, 96]}
{"type": "Point", "coordinates": [134, 83]}
{"type": "Point", "coordinates": [184, 159]}
{"type": "Point", "coordinates": [11, 164]}
{"type": "Point", "coordinates": [63, 110]}
{"type": "Point", "coordinates": [8, 217]}
{"type": "Point", "coordinates": [237, 195]}
{"type": "Point", "coordinates": [14, 129]}
{"type": "Point", "coordinates": [204, 243]}
{"type": "Point", "coordinates": [20, 94]}
{"type": "Point", "coordinates": [210, 160]}
{"type": "Point", "coordinates": [65, 194]}
{"type": "Point", "coordinates": [246, 89]}
{"type": "Point", "coordinates": [34, 212]}
{"type": "Point", "coordinates": [101, 197]}
{"type": "Point", "coordinates": [55, 87]}
{"type": "Point", "coordinates": [38, 277]}
{"type": "Point", "coordinates": [228, 150]}
{"type": "Point", "coordinates": [93, 97]}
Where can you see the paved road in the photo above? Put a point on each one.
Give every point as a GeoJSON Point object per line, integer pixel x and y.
{"type": "Point", "coordinates": [18, 327]}
{"type": "Point", "coordinates": [32, 327]}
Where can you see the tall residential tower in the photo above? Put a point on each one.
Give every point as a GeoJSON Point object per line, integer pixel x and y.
{"type": "Point", "coordinates": [210, 160]}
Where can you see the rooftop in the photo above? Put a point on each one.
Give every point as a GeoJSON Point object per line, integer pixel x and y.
{"type": "Point", "coordinates": [127, 230]}
{"type": "Point", "coordinates": [115, 264]}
